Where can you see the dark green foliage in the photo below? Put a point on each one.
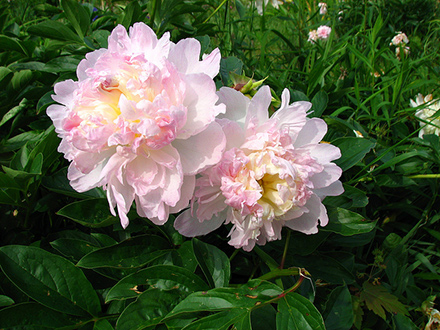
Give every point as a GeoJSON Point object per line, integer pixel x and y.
{"type": "Point", "coordinates": [67, 263]}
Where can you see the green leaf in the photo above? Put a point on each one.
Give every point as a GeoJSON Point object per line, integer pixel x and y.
{"type": "Point", "coordinates": [13, 112]}
{"type": "Point", "coordinates": [103, 324]}
{"type": "Point", "coordinates": [264, 318]}
{"type": "Point", "coordinates": [351, 197]}
{"type": "Point", "coordinates": [223, 320]}
{"type": "Point", "coordinates": [249, 295]}
{"type": "Point", "coordinates": [73, 248]}
{"type": "Point", "coordinates": [19, 141]}
{"type": "Point", "coordinates": [326, 268]}
{"type": "Point", "coordinates": [347, 223]}
{"type": "Point", "coordinates": [401, 322]}
{"type": "Point", "coordinates": [77, 16]}
{"type": "Point", "coordinates": [33, 316]}
{"type": "Point", "coordinates": [319, 103]}
{"type": "Point", "coordinates": [213, 262]}
{"type": "Point", "coordinates": [5, 301]}
{"type": "Point", "coordinates": [8, 44]}
{"type": "Point", "coordinates": [353, 150]}
{"type": "Point", "coordinates": [148, 309]}
{"type": "Point", "coordinates": [20, 81]}
{"type": "Point", "coordinates": [49, 279]}
{"type": "Point", "coordinates": [163, 277]}
{"type": "Point", "coordinates": [186, 252]}
{"type": "Point", "coordinates": [131, 14]}
{"type": "Point", "coordinates": [297, 313]}
{"type": "Point", "coordinates": [5, 76]}
{"type": "Point", "coordinates": [54, 30]}
{"type": "Point", "coordinates": [338, 310]}
{"type": "Point", "coordinates": [62, 64]}
{"type": "Point", "coordinates": [227, 65]}
{"type": "Point", "coordinates": [131, 253]}
{"type": "Point", "coordinates": [7, 181]}
{"type": "Point", "coordinates": [93, 213]}
{"type": "Point", "coordinates": [47, 147]}
{"type": "Point", "coordinates": [60, 184]}
{"type": "Point", "coordinates": [379, 300]}
{"type": "Point", "coordinates": [357, 311]}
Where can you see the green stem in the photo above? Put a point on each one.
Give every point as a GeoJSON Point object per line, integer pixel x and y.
{"type": "Point", "coordinates": [286, 246]}
{"type": "Point", "coordinates": [216, 10]}
{"type": "Point", "coordinates": [424, 176]}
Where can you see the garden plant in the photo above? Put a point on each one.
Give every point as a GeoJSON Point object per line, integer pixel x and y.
{"type": "Point", "coordinates": [219, 164]}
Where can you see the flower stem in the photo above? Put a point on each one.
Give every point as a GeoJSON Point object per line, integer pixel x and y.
{"type": "Point", "coordinates": [216, 10]}
{"type": "Point", "coordinates": [424, 176]}
{"type": "Point", "coordinates": [286, 246]}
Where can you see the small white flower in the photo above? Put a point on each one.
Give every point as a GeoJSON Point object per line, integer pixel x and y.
{"type": "Point", "coordinates": [399, 39]}
{"type": "Point", "coordinates": [429, 123]}
{"type": "Point", "coordinates": [322, 8]}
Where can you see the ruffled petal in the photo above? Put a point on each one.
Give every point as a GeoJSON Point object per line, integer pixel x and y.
{"type": "Point", "coordinates": [199, 99]}
{"type": "Point", "coordinates": [312, 132]}
{"type": "Point", "coordinates": [186, 53]}
{"type": "Point", "coordinates": [236, 105]}
{"type": "Point", "coordinates": [308, 222]}
{"type": "Point", "coordinates": [201, 150]}
{"type": "Point", "coordinates": [188, 225]}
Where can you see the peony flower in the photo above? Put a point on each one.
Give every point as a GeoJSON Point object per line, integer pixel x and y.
{"type": "Point", "coordinates": [428, 108]}
{"type": "Point", "coordinates": [140, 121]}
{"type": "Point", "coordinates": [324, 32]}
{"type": "Point", "coordinates": [399, 39]}
{"type": "Point", "coordinates": [322, 8]}
{"type": "Point", "coordinates": [274, 173]}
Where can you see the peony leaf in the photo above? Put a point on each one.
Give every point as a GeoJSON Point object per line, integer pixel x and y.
{"type": "Point", "coordinates": [249, 295]}
{"type": "Point", "coordinates": [379, 300]}
{"type": "Point", "coordinates": [347, 223]}
{"type": "Point", "coordinates": [296, 312]}
{"type": "Point", "coordinates": [131, 253]}
{"type": "Point", "coordinates": [103, 324]}
{"type": "Point", "coordinates": [59, 183]}
{"type": "Point", "coordinates": [33, 316]}
{"type": "Point", "coordinates": [353, 150]}
{"type": "Point", "coordinates": [357, 311]}
{"type": "Point", "coordinates": [93, 213]}
{"type": "Point", "coordinates": [240, 317]}
{"type": "Point", "coordinates": [73, 249]}
{"type": "Point", "coordinates": [319, 103]}
{"type": "Point", "coordinates": [339, 310]}
{"type": "Point", "coordinates": [5, 301]}
{"type": "Point", "coordinates": [49, 279]}
{"type": "Point", "coordinates": [77, 16]}
{"type": "Point", "coordinates": [164, 277]}
{"type": "Point", "coordinates": [54, 30]}
{"type": "Point", "coordinates": [213, 262]}
{"type": "Point", "coordinates": [149, 309]}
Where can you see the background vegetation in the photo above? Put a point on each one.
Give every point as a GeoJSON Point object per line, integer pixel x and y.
{"type": "Point", "coordinates": [67, 264]}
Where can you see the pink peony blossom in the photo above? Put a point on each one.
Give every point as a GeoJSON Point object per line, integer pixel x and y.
{"type": "Point", "coordinates": [274, 173]}
{"type": "Point", "coordinates": [140, 121]}
{"type": "Point", "coordinates": [324, 32]}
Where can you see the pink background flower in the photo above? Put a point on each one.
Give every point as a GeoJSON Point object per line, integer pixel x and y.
{"type": "Point", "coordinates": [324, 32]}
{"type": "Point", "coordinates": [140, 121]}
{"type": "Point", "coordinates": [274, 173]}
